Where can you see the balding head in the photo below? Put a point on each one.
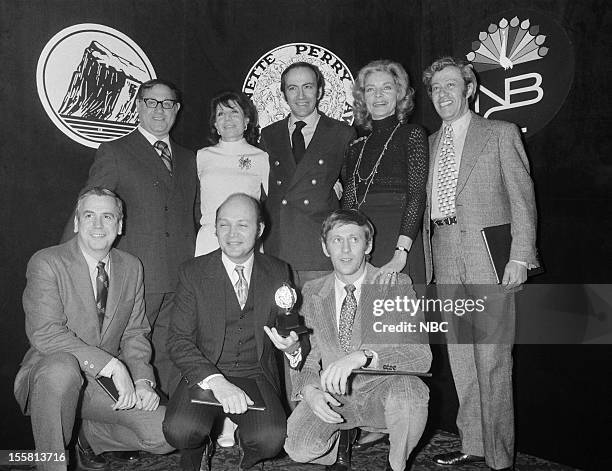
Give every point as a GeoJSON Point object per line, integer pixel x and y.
{"type": "Point", "coordinates": [238, 226]}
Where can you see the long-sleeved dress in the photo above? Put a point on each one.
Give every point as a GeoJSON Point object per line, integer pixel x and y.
{"type": "Point", "coordinates": [390, 189]}
{"type": "Point", "coordinates": [224, 169]}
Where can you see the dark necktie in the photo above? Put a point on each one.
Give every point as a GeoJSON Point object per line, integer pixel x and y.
{"type": "Point", "coordinates": [347, 317]}
{"type": "Point", "coordinates": [166, 156]}
{"type": "Point", "coordinates": [297, 140]}
{"type": "Point", "coordinates": [102, 292]}
{"type": "Point", "coordinates": [241, 287]}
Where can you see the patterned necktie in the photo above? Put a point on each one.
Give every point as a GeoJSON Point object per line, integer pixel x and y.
{"type": "Point", "coordinates": [347, 317]}
{"type": "Point", "coordinates": [447, 174]}
{"type": "Point", "coordinates": [241, 287]}
{"type": "Point", "coordinates": [102, 292]}
{"type": "Point", "coordinates": [166, 156]}
{"type": "Point", "coordinates": [297, 139]}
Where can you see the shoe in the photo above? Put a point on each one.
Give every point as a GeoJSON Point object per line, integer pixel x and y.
{"type": "Point", "coordinates": [125, 456]}
{"type": "Point", "coordinates": [456, 458]}
{"type": "Point", "coordinates": [360, 445]}
{"type": "Point", "coordinates": [343, 461]}
{"type": "Point", "coordinates": [226, 437]}
{"type": "Point", "coordinates": [87, 460]}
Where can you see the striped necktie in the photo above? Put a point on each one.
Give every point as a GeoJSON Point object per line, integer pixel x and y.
{"type": "Point", "coordinates": [102, 292]}
{"type": "Point", "coordinates": [241, 287]}
{"type": "Point", "coordinates": [166, 155]}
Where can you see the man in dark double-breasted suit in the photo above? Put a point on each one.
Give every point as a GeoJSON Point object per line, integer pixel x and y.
{"type": "Point", "coordinates": [223, 301]}
{"type": "Point", "coordinates": [306, 152]}
{"type": "Point", "coordinates": [156, 178]}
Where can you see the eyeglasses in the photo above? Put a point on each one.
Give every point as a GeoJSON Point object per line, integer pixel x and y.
{"type": "Point", "coordinates": [152, 103]}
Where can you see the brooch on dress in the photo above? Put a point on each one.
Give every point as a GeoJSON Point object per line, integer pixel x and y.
{"type": "Point", "coordinates": [244, 163]}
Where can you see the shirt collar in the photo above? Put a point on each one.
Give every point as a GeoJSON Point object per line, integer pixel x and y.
{"type": "Point", "coordinates": [153, 139]}
{"type": "Point", "coordinates": [339, 284]}
{"type": "Point", "coordinates": [92, 263]}
{"type": "Point", "coordinates": [311, 120]}
{"type": "Point", "coordinates": [461, 124]}
{"type": "Point", "coordinates": [230, 267]}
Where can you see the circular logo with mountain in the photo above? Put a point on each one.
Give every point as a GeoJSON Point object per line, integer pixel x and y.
{"type": "Point", "coordinates": [262, 83]}
{"type": "Point", "coordinates": [87, 78]}
{"type": "Point", "coordinates": [525, 66]}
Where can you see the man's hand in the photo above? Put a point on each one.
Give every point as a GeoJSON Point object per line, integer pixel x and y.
{"type": "Point", "coordinates": [233, 399]}
{"type": "Point", "coordinates": [515, 275]}
{"type": "Point", "coordinates": [125, 387]}
{"type": "Point", "coordinates": [319, 401]}
{"type": "Point", "coordinates": [335, 376]}
{"type": "Point", "coordinates": [146, 397]}
{"type": "Point", "coordinates": [285, 344]}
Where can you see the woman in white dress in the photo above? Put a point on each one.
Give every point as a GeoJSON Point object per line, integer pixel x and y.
{"type": "Point", "coordinates": [232, 165]}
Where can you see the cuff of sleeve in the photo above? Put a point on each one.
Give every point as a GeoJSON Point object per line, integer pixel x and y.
{"type": "Point", "coordinates": [204, 383]}
{"type": "Point", "coordinates": [151, 383]}
{"type": "Point", "coordinates": [107, 371]}
{"type": "Point", "coordinates": [524, 264]}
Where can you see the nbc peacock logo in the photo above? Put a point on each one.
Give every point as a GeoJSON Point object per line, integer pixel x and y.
{"type": "Point", "coordinates": [525, 66]}
{"type": "Point", "coordinates": [87, 78]}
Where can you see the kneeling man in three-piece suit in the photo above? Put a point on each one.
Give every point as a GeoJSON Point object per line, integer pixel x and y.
{"type": "Point", "coordinates": [334, 400]}
{"type": "Point", "coordinates": [223, 301]}
{"type": "Point", "coordinates": [85, 319]}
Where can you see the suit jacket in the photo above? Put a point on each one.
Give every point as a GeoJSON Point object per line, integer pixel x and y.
{"type": "Point", "coordinates": [493, 187]}
{"type": "Point", "coordinates": [301, 197]}
{"type": "Point", "coordinates": [61, 314]}
{"type": "Point", "coordinates": [160, 210]}
{"type": "Point", "coordinates": [319, 311]}
{"type": "Point", "coordinates": [197, 327]}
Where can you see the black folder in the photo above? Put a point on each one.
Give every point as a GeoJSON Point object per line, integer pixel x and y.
{"type": "Point", "coordinates": [248, 385]}
{"type": "Point", "coordinates": [109, 387]}
{"type": "Point", "coordinates": [498, 240]}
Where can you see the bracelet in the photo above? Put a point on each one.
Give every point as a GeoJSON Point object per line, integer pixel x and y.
{"type": "Point", "coordinates": [403, 249]}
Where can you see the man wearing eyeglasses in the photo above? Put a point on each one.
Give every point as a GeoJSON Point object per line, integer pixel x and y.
{"type": "Point", "coordinates": [157, 180]}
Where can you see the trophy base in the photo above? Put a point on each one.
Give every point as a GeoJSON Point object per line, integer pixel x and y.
{"type": "Point", "coordinates": [287, 323]}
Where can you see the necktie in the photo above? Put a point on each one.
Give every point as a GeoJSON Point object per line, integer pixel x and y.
{"type": "Point", "coordinates": [447, 174]}
{"type": "Point", "coordinates": [297, 140]}
{"type": "Point", "coordinates": [347, 317]}
{"type": "Point", "coordinates": [241, 287]}
{"type": "Point", "coordinates": [102, 292]}
{"type": "Point", "coordinates": [166, 156]}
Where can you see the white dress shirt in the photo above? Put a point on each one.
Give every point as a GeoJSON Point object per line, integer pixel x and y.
{"type": "Point", "coordinates": [307, 131]}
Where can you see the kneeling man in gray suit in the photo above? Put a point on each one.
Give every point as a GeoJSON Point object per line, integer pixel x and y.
{"type": "Point", "coordinates": [85, 319]}
{"type": "Point", "coordinates": [334, 400]}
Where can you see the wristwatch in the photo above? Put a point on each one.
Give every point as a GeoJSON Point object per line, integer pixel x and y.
{"type": "Point", "coordinates": [369, 354]}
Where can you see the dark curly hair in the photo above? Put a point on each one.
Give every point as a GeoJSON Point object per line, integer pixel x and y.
{"type": "Point", "coordinates": [229, 100]}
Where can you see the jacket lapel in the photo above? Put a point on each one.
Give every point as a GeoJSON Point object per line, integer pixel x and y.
{"type": "Point", "coordinates": [478, 134]}
{"type": "Point", "coordinates": [115, 290]}
{"type": "Point", "coordinates": [325, 302]}
{"type": "Point", "coordinates": [261, 312]}
{"type": "Point", "coordinates": [145, 153]}
{"type": "Point", "coordinates": [213, 283]}
{"type": "Point", "coordinates": [79, 272]}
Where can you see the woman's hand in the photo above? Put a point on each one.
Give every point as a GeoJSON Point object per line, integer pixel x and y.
{"type": "Point", "coordinates": [387, 274]}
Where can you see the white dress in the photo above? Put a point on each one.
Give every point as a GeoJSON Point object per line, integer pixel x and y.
{"type": "Point", "coordinates": [223, 169]}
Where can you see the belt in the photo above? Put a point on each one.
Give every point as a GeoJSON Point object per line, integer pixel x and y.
{"type": "Point", "coordinates": [449, 221]}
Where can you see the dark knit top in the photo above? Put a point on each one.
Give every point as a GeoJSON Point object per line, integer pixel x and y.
{"type": "Point", "coordinates": [402, 169]}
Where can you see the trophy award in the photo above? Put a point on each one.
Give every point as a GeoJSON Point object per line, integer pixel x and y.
{"type": "Point", "coordinates": [287, 320]}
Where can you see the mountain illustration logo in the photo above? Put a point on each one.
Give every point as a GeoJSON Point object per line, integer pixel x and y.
{"type": "Point", "coordinates": [262, 83]}
{"type": "Point", "coordinates": [525, 66]}
{"type": "Point", "coordinates": [87, 78]}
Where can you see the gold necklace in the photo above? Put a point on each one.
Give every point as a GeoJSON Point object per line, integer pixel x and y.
{"type": "Point", "coordinates": [370, 178]}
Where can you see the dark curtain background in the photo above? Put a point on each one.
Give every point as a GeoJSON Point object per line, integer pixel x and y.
{"type": "Point", "coordinates": [562, 392]}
